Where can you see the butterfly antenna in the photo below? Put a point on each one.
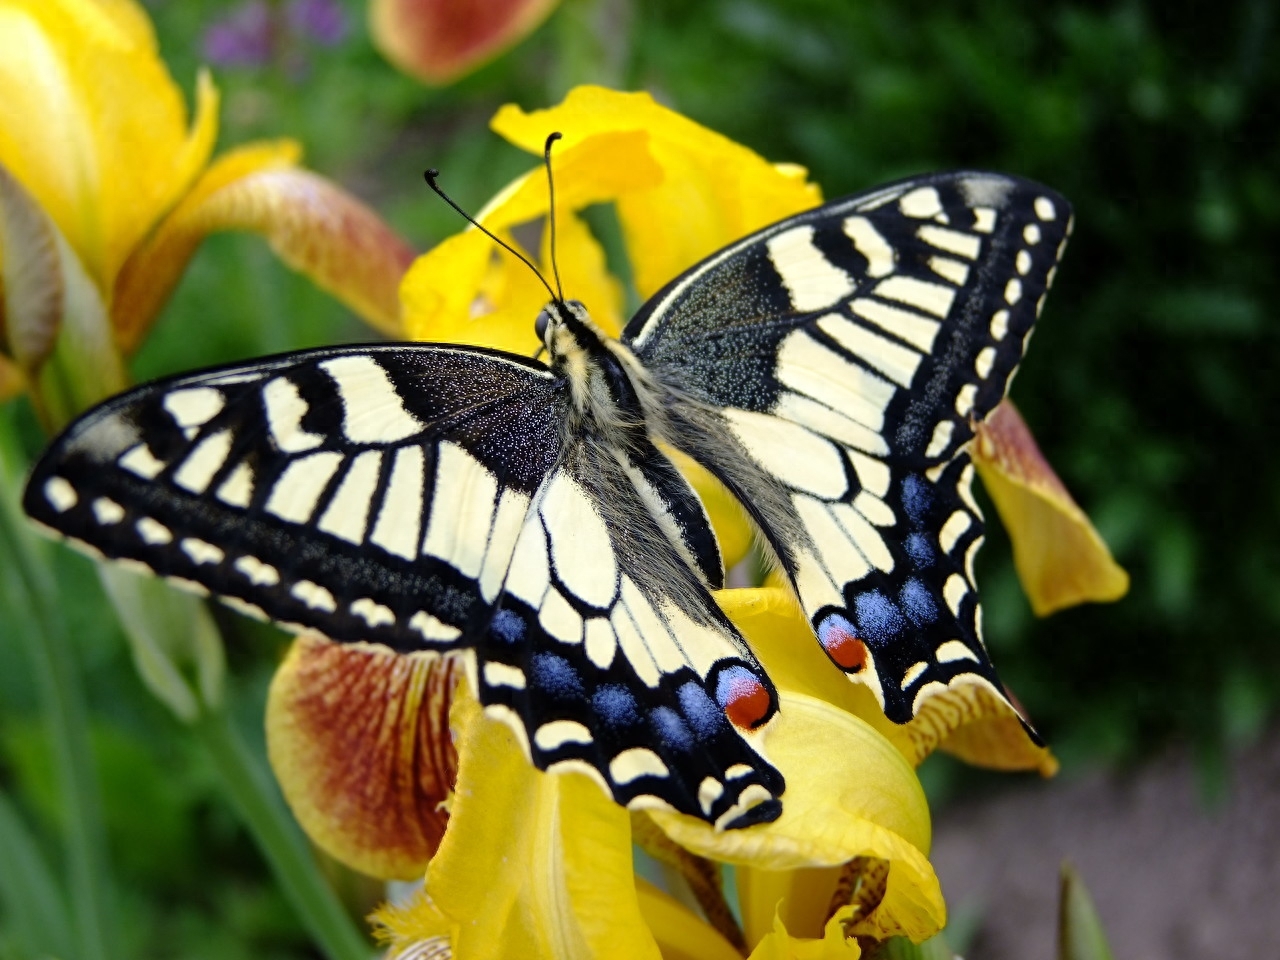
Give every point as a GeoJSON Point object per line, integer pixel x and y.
{"type": "Point", "coordinates": [551, 190]}
{"type": "Point", "coordinates": [431, 182]}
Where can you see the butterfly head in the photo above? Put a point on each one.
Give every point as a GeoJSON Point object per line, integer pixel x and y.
{"type": "Point", "coordinates": [566, 329]}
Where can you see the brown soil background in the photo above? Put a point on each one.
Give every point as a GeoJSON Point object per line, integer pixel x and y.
{"type": "Point", "coordinates": [1174, 875]}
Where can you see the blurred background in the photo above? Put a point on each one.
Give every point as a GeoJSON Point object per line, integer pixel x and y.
{"type": "Point", "coordinates": [1153, 384]}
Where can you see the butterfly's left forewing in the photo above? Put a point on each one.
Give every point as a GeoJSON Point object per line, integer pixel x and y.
{"type": "Point", "coordinates": [427, 497]}
{"type": "Point", "coordinates": [830, 369]}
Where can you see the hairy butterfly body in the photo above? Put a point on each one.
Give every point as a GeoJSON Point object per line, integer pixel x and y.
{"type": "Point", "coordinates": [433, 498]}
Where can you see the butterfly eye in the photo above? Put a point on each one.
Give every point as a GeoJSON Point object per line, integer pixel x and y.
{"type": "Point", "coordinates": [540, 324]}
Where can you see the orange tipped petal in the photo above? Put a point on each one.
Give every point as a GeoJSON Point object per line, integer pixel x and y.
{"type": "Point", "coordinates": [314, 225]}
{"type": "Point", "coordinates": [359, 739]}
{"type": "Point", "coordinates": [440, 40]}
{"type": "Point", "coordinates": [1060, 558]}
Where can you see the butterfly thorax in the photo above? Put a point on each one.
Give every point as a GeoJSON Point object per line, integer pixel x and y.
{"type": "Point", "coordinates": [607, 395]}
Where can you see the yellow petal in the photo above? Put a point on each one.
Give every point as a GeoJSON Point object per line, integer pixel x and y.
{"type": "Point", "coordinates": [584, 272]}
{"type": "Point", "coordinates": [713, 190]}
{"type": "Point", "coordinates": [1059, 556]}
{"type": "Point", "coordinates": [587, 171]}
{"type": "Point", "coordinates": [781, 637]}
{"type": "Point", "coordinates": [778, 944]}
{"type": "Point", "coordinates": [359, 740]}
{"type": "Point", "coordinates": [440, 40]}
{"type": "Point", "coordinates": [533, 865]}
{"type": "Point", "coordinates": [470, 290]}
{"type": "Point", "coordinates": [849, 793]}
{"type": "Point", "coordinates": [680, 934]}
{"type": "Point", "coordinates": [314, 225]}
{"type": "Point", "coordinates": [93, 125]}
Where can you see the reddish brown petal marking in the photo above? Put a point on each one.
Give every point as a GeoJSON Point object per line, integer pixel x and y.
{"type": "Point", "coordinates": [359, 740]}
{"type": "Point", "coordinates": [1005, 440]}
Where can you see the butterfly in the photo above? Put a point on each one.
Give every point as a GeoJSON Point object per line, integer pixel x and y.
{"type": "Point", "coordinates": [434, 498]}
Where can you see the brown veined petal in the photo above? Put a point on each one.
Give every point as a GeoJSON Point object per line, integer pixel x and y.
{"type": "Point", "coordinates": [1060, 558]}
{"type": "Point", "coordinates": [359, 739]}
{"type": "Point", "coordinates": [440, 40]}
{"type": "Point", "coordinates": [312, 224]}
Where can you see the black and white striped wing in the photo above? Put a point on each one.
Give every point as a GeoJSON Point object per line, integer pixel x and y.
{"type": "Point", "coordinates": [424, 497]}
{"type": "Point", "coordinates": [830, 369]}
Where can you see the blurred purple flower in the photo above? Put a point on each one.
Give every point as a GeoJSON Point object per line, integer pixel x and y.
{"type": "Point", "coordinates": [243, 38]}
{"type": "Point", "coordinates": [324, 21]}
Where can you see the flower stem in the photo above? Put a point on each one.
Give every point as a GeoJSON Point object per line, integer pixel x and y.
{"type": "Point", "coordinates": [53, 660]}
{"type": "Point", "coordinates": [251, 789]}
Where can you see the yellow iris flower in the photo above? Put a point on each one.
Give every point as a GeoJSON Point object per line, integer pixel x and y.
{"type": "Point", "coordinates": [533, 865]}
{"type": "Point", "coordinates": [106, 190]}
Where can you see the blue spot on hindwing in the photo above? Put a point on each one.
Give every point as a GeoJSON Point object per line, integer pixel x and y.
{"type": "Point", "coordinates": [920, 550]}
{"type": "Point", "coordinates": [704, 714]}
{"type": "Point", "coordinates": [507, 625]}
{"type": "Point", "coordinates": [671, 728]}
{"type": "Point", "coordinates": [918, 602]}
{"type": "Point", "coordinates": [917, 498]}
{"type": "Point", "coordinates": [556, 676]}
{"type": "Point", "coordinates": [616, 705]}
{"type": "Point", "coordinates": [879, 619]}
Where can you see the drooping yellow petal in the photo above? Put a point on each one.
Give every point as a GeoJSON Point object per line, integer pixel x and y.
{"type": "Point", "coordinates": [93, 125]}
{"type": "Point", "coordinates": [314, 225]}
{"type": "Point", "coordinates": [713, 190]}
{"type": "Point", "coordinates": [970, 721]}
{"type": "Point", "coordinates": [849, 793]}
{"type": "Point", "coordinates": [1059, 556]}
{"type": "Point", "coordinates": [359, 740]}
{"type": "Point", "coordinates": [440, 40]}
{"type": "Point", "coordinates": [533, 865]}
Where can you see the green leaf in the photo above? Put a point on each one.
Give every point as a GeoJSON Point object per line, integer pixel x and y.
{"type": "Point", "coordinates": [900, 948]}
{"type": "Point", "coordinates": [35, 909]}
{"type": "Point", "coordinates": [1080, 934]}
{"type": "Point", "coordinates": [171, 635]}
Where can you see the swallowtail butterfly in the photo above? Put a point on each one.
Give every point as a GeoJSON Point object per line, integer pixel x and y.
{"type": "Point", "coordinates": [829, 369]}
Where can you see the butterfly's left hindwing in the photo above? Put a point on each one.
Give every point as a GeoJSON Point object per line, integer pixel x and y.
{"type": "Point", "coordinates": [830, 369]}
{"type": "Point", "coordinates": [427, 498]}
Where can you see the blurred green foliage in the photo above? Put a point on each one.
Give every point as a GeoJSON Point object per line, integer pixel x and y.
{"type": "Point", "coordinates": [1149, 383]}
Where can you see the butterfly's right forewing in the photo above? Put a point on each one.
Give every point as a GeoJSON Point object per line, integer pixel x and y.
{"type": "Point", "coordinates": [830, 369]}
